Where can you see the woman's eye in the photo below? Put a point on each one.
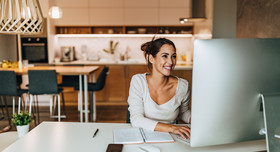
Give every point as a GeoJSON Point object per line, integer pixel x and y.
{"type": "Point", "coordinates": [174, 56]}
{"type": "Point", "coordinates": [164, 56]}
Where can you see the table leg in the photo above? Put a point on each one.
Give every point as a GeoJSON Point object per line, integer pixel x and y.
{"type": "Point", "coordinates": [93, 102]}
{"type": "Point", "coordinates": [80, 99]}
{"type": "Point", "coordinates": [86, 97]}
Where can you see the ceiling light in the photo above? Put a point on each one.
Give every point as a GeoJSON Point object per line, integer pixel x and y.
{"type": "Point", "coordinates": [55, 12]}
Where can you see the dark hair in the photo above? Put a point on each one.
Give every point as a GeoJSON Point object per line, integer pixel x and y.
{"type": "Point", "coordinates": [153, 47]}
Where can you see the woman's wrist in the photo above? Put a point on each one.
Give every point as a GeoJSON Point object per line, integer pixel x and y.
{"type": "Point", "coordinates": [171, 129]}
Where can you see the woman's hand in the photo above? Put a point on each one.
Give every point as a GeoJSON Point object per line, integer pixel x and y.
{"type": "Point", "coordinates": [181, 130]}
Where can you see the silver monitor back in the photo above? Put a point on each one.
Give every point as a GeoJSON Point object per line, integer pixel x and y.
{"type": "Point", "coordinates": [228, 76]}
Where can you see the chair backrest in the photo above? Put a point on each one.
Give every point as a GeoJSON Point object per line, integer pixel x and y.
{"type": "Point", "coordinates": [8, 83]}
{"type": "Point", "coordinates": [127, 116]}
{"type": "Point", "coordinates": [69, 81]}
{"type": "Point", "coordinates": [42, 82]}
{"type": "Point", "coordinates": [100, 83]}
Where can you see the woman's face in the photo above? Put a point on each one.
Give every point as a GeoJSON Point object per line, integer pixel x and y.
{"type": "Point", "coordinates": [165, 60]}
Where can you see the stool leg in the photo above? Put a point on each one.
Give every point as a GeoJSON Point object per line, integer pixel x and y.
{"type": "Point", "coordinates": [58, 109]}
{"type": "Point", "coordinates": [2, 108]}
{"type": "Point", "coordinates": [51, 104]}
{"type": "Point", "coordinates": [30, 104]}
{"type": "Point", "coordinates": [63, 104]}
{"type": "Point", "coordinates": [7, 111]}
{"type": "Point", "coordinates": [14, 105]}
{"type": "Point", "coordinates": [19, 102]}
{"type": "Point", "coordinates": [37, 109]}
{"type": "Point", "coordinates": [54, 104]}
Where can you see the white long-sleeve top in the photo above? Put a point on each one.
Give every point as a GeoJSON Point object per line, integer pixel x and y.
{"type": "Point", "coordinates": [145, 113]}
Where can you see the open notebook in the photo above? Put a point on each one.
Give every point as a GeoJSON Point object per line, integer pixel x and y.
{"type": "Point", "coordinates": [139, 135]}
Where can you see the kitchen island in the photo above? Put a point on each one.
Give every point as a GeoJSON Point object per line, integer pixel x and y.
{"type": "Point", "coordinates": [116, 89]}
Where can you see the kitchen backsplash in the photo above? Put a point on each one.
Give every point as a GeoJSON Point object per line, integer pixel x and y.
{"type": "Point", "coordinates": [91, 48]}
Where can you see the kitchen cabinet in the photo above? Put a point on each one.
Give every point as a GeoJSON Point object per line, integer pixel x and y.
{"type": "Point", "coordinates": [142, 3]}
{"type": "Point", "coordinates": [106, 3]}
{"type": "Point", "coordinates": [72, 3]}
{"type": "Point", "coordinates": [76, 17]}
{"type": "Point", "coordinates": [175, 3]}
{"type": "Point", "coordinates": [123, 12]}
{"type": "Point", "coordinates": [106, 16]}
{"type": "Point", "coordinates": [141, 16]}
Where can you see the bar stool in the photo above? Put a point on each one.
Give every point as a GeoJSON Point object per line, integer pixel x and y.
{"type": "Point", "coordinates": [9, 87]}
{"type": "Point", "coordinates": [99, 85]}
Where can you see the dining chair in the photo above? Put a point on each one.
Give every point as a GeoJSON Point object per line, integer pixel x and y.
{"type": "Point", "coordinates": [128, 116]}
{"type": "Point", "coordinates": [44, 82]}
{"type": "Point", "coordinates": [97, 86]}
{"type": "Point", "coordinates": [9, 87]}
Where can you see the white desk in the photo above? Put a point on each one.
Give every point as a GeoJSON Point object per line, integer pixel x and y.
{"type": "Point", "coordinates": [75, 137]}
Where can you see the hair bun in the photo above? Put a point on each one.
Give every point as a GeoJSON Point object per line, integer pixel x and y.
{"type": "Point", "coordinates": [146, 47]}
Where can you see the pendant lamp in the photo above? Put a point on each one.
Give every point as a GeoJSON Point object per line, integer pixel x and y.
{"type": "Point", "coordinates": [21, 17]}
{"type": "Point", "coordinates": [55, 12]}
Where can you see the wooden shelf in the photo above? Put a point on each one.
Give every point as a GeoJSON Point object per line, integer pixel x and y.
{"type": "Point", "coordinates": [184, 29]}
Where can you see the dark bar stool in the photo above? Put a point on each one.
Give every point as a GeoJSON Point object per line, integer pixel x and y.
{"type": "Point", "coordinates": [99, 85]}
{"type": "Point", "coordinates": [9, 87]}
{"type": "Point", "coordinates": [44, 82]}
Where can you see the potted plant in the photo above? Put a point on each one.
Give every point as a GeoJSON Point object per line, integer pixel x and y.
{"type": "Point", "coordinates": [22, 121]}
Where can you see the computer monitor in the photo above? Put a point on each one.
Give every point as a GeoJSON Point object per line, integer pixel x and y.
{"type": "Point", "coordinates": [228, 77]}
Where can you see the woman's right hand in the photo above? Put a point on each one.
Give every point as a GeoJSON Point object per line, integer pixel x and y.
{"type": "Point", "coordinates": [181, 130]}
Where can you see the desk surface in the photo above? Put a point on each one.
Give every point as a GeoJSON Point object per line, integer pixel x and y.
{"type": "Point", "coordinates": [73, 137]}
{"type": "Point", "coordinates": [63, 70]}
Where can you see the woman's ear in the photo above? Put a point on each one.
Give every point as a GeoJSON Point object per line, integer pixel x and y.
{"type": "Point", "coordinates": [151, 59]}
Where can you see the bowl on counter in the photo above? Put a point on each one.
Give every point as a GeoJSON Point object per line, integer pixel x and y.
{"type": "Point", "coordinates": [131, 32]}
{"type": "Point", "coordinates": [142, 30]}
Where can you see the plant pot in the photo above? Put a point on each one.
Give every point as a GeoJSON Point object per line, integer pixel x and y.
{"type": "Point", "coordinates": [22, 130]}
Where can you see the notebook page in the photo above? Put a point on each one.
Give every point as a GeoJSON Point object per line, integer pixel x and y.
{"type": "Point", "coordinates": [128, 136]}
{"type": "Point", "coordinates": [156, 136]}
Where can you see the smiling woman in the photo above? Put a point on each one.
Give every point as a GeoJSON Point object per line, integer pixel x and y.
{"type": "Point", "coordinates": [156, 99]}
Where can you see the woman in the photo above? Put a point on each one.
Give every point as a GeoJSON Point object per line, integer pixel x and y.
{"type": "Point", "coordinates": [157, 98]}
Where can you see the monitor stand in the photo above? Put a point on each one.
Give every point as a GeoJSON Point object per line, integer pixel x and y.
{"type": "Point", "coordinates": [271, 107]}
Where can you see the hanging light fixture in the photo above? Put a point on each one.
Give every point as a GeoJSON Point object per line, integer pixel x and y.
{"type": "Point", "coordinates": [55, 12]}
{"type": "Point", "coordinates": [21, 17]}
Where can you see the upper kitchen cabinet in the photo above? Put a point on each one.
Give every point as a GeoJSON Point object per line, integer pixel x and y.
{"type": "Point", "coordinates": [144, 12]}
{"type": "Point", "coordinates": [106, 3]}
{"type": "Point", "coordinates": [74, 16]}
{"type": "Point", "coordinates": [175, 3]}
{"type": "Point", "coordinates": [141, 3]}
{"type": "Point", "coordinates": [106, 12]}
{"type": "Point", "coordinates": [72, 3]}
{"type": "Point", "coordinates": [75, 12]}
{"type": "Point", "coordinates": [141, 16]}
{"type": "Point", "coordinates": [106, 16]}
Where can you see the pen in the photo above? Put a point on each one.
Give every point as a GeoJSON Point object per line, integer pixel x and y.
{"type": "Point", "coordinates": [95, 133]}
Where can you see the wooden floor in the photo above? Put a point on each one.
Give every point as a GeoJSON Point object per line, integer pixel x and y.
{"type": "Point", "coordinates": [112, 114]}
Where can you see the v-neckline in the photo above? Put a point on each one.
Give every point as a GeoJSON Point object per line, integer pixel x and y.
{"type": "Point", "coordinates": [166, 101]}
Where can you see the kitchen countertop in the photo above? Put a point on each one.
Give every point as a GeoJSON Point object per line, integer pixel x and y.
{"type": "Point", "coordinates": [179, 66]}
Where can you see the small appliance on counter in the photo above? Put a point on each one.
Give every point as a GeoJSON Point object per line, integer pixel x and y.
{"type": "Point", "coordinates": [67, 53]}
